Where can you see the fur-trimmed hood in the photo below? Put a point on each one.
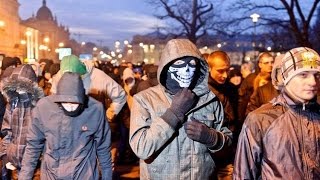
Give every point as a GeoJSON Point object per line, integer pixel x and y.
{"type": "Point", "coordinates": [20, 82]}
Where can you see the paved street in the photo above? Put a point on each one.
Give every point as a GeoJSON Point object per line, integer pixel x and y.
{"type": "Point", "coordinates": [127, 172]}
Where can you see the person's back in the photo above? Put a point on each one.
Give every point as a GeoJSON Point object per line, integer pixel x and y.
{"type": "Point", "coordinates": [261, 95]}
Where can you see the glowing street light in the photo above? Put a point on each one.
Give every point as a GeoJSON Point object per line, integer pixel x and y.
{"type": "Point", "coordinates": [2, 24]}
{"type": "Point", "coordinates": [254, 18]}
{"type": "Point", "coordinates": [23, 42]}
{"type": "Point", "coordinates": [28, 33]}
{"type": "Point", "coordinates": [46, 39]}
{"type": "Point", "coordinates": [117, 44]}
{"type": "Point", "coordinates": [83, 43]}
{"type": "Point", "coordinates": [61, 44]}
{"type": "Point", "coordinates": [95, 49]}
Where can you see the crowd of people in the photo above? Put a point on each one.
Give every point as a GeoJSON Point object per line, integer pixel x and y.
{"type": "Point", "coordinates": [192, 116]}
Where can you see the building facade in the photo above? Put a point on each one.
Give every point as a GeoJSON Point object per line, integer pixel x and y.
{"type": "Point", "coordinates": [51, 36]}
{"type": "Point", "coordinates": [38, 37]}
{"type": "Point", "coordinates": [10, 30]}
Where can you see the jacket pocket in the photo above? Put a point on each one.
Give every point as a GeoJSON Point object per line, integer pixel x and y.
{"type": "Point", "coordinates": [15, 154]}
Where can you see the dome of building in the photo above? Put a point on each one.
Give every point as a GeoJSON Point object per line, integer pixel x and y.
{"type": "Point", "coordinates": [44, 13]}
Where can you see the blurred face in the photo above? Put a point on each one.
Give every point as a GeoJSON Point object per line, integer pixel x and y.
{"type": "Point", "coordinates": [236, 80]}
{"type": "Point", "coordinates": [42, 65]}
{"type": "Point", "coordinates": [219, 70]}
{"type": "Point", "coordinates": [47, 75]}
{"type": "Point", "coordinates": [265, 64]}
{"type": "Point", "coordinates": [304, 86]}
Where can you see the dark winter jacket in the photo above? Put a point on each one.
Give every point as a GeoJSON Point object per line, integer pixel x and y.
{"type": "Point", "coordinates": [261, 96]}
{"type": "Point", "coordinates": [2, 109]}
{"type": "Point", "coordinates": [71, 146]}
{"type": "Point", "coordinates": [228, 96]}
{"type": "Point", "coordinates": [22, 92]}
{"type": "Point", "coordinates": [280, 140]}
{"type": "Point", "coordinates": [245, 91]}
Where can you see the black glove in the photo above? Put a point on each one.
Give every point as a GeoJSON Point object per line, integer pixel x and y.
{"type": "Point", "coordinates": [200, 132]}
{"type": "Point", "coordinates": [182, 102]}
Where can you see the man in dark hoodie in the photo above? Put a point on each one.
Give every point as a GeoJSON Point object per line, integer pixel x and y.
{"type": "Point", "coordinates": [70, 129]}
{"type": "Point", "coordinates": [22, 92]}
{"type": "Point", "coordinates": [176, 125]}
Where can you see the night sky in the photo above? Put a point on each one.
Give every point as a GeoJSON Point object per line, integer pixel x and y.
{"type": "Point", "coordinates": [105, 20]}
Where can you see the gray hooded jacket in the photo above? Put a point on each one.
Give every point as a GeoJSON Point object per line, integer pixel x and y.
{"type": "Point", "coordinates": [165, 152]}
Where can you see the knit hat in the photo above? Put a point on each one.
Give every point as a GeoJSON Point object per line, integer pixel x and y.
{"type": "Point", "coordinates": [70, 89]}
{"type": "Point", "coordinates": [24, 72]}
{"type": "Point", "coordinates": [72, 63]}
{"type": "Point", "coordinates": [298, 60]}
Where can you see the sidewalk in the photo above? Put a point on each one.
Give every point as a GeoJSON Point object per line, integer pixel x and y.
{"type": "Point", "coordinates": [127, 172]}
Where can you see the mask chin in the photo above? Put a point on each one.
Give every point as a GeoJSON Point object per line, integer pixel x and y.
{"type": "Point", "coordinates": [73, 113]}
{"type": "Point", "coordinates": [171, 84]}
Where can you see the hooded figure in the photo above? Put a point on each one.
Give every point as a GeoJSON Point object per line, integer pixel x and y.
{"type": "Point", "coordinates": [177, 125]}
{"type": "Point", "coordinates": [71, 132]}
{"type": "Point", "coordinates": [96, 83]}
{"type": "Point", "coordinates": [22, 92]}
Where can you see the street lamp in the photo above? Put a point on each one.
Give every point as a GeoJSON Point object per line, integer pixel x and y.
{"type": "Point", "coordinates": [254, 18]}
{"type": "Point", "coordinates": [2, 24]}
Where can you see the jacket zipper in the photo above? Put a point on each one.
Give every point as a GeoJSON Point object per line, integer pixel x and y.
{"type": "Point", "coordinates": [304, 159]}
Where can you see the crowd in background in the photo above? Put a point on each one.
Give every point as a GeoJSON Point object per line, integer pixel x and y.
{"type": "Point", "coordinates": [241, 89]}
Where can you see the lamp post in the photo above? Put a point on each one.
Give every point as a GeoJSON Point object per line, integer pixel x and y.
{"type": "Point", "coordinates": [254, 18]}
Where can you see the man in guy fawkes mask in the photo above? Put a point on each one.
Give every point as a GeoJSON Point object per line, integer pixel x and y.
{"type": "Point", "coordinates": [71, 129]}
{"type": "Point", "coordinates": [177, 124]}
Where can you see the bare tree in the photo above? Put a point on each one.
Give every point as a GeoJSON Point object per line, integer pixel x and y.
{"type": "Point", "coordinates": [316, 32]}
{"type": "Point", "coordinates": [194, 17]}
{"type": "Point", "coordinates": [293, 16]}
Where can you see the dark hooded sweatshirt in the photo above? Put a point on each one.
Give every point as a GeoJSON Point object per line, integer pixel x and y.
{"type": "Point", "coordinates": [71, 146]}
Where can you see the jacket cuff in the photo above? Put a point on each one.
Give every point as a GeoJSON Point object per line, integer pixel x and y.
{"type": "Point", "coordinates": [218, 143]}
{"type": "Point", "coordinates": [170, 118]}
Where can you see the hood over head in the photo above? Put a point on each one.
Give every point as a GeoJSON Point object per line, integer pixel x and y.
{"type": "Point", "coordinates": [22, 80]}
{"type": "Point", "coordinates": [178, 49]}
{"type": "Point", "coordinates": [70, 89]}
{"type": "Point", "coordinates": [127, 73]}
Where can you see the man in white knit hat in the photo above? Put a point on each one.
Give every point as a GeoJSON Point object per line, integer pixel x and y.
{"type": "Point", "coordinates": [280, 140]}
